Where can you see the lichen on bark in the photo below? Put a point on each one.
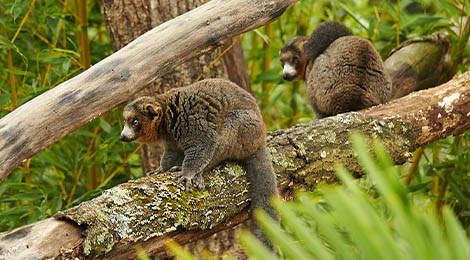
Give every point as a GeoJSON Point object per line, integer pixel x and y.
{"type": "Point", "coordinates": [307, 154]}
{"type": "Point", "coordinates": [157, 205]}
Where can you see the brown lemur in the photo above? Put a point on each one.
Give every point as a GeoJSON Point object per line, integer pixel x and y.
{"type": "Point", "coordinates": [343, 72]}
{"type": "Point", "coordinates": [200, 126]}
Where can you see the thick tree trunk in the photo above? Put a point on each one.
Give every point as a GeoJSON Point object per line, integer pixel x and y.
{"type": "Point", "coordinates": [34, 125]}
{"type": "Point", "coordinates": [145, 212]}
{"type": "Point", "coordinates": [127, 20]}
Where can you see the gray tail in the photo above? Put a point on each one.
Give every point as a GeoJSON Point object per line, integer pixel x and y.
{"type": "Point", "coordinates": [263, 186]}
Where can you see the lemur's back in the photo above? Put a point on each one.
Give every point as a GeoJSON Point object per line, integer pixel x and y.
{"type": "Point", "coordinates": [219, 94]}
{"type": "Point", "coordinates": [217, 107]}
{"type": "Point", "coordinates": [343, 72]}
{"type": "Point", "coordinates": [349, 75]}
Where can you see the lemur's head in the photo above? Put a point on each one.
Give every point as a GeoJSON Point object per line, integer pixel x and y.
{"type": "Point", "coordinates": [293, 59]}
{"type": "Point", "coordinates": [142, 120]}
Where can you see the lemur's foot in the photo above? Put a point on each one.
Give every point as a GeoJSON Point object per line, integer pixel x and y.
{"type": "Point", "coordinates": [176, 168]}
{"type": "Point", "coordinates": [160, 170]}
{"type": "Point", "coordinates": [189, 179]}
{"type": "Point", "coordinates": [199, 181]}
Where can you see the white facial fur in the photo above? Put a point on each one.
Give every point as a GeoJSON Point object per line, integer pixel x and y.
{"type": "Point", "coordinates": [289, 69]}
{"type": "Point", "coordinates": [127, 132]}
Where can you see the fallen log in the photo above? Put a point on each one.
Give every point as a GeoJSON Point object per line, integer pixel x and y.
{"type": "Point", "coordinates": [59, 111]}
{"type": "Point", "coordinates": [145, 212]}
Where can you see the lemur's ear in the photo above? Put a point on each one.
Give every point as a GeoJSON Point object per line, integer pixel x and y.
{"type": "Point", "coordinates": [153, 111]}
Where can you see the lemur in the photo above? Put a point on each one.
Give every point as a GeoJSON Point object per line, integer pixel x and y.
{"type": "Point", "coordinates": [343, 72]}
{"type": "Point", "coordinates": [200, 126]}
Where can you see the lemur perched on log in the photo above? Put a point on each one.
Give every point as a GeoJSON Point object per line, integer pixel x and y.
{"type": "Point", "coordinates": [343, 72]}
{"type": "Point", "coordinates": [202, 125]}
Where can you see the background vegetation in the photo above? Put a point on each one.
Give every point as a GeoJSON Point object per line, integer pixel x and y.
{"type": "Point", "coordinates": [43, 43]}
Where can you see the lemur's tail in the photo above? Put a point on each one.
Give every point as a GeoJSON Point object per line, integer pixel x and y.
{"type": "Point", "coordinates": [324, 35]}
{"type": "Point", "coordinates": [263, 186]}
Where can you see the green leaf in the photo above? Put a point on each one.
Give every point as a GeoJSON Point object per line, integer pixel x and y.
{"type": "Point", "coordinates": [179, 251]}
{"type": "Point", "coordinates": [105, 126]}
{"type": "Point", "coordinates": [288, 245]}
{"type": "Point", "coordinates": [20, 72]}
{"type": "Point", "coordinates": [421, 21]}
{"type": "Point", "coordinates": [30, 195]}
{"type": "Point", "coordinates": [255, 249]}
{"type": "Point", "coordinates": [326, 226]}
{"type": "Point", "coordinates": [4, 98]}
{"type": "Point", "coordinates": [87, 133]}
{"type": "Point", "coordinates": [458, 242]}
{"type": "Point", "coordinates": [418, 186]}
{"type": "Point", "coordinates": [301, 232]}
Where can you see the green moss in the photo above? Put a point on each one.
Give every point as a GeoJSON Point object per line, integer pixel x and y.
{"type": "Point", "coordinates": [234, 169]}
{"type": "Point", "coordinates": [279, 160]}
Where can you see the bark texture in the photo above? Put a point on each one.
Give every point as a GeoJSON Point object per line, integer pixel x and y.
{"type": "Point", "coordinates": [147, 211]}
{"type": "Point", "coordinates": [33, 126]}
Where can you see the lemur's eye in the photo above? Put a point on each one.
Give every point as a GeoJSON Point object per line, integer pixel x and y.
{"type": "Point", "coordinates": [135, 122]}
{"type": "Point", "coordinates": [295, 60]}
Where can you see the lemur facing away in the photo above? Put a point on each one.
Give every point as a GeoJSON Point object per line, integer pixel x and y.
{"type": "Point", "coordinates": [343, 72]}
{"type": "Point", "coordinates": [200, 126]}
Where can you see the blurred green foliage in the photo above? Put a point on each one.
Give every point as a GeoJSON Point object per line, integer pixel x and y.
{"type": "Point", "coordinates": [42, 44]}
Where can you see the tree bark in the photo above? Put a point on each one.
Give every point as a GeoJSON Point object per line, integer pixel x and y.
{"type": "Point", "coordinates": [59, 111]}
{"type": "Point", "coordinates": [147, 211]}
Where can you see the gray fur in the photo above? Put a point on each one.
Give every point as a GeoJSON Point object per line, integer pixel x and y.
{"type": "Point", "coordinates": [204, 124]}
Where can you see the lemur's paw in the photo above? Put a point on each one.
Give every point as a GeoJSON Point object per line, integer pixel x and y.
{"type": "Point", "coordinates": [199, 181]}
{"type": "Point", "coordinates": [160, 170]}
{"type": "Point", "coordinates": [189, 180]}
{"type": "Point", "coordinates": [156, 172]}
{"type": "Point", "coordinates": [176, 168]}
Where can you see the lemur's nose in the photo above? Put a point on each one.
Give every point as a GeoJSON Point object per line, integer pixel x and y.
{"type": "Point", "coordinates": [288, 77]}
{"type": "Point", "coordinates": [125, 138]}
